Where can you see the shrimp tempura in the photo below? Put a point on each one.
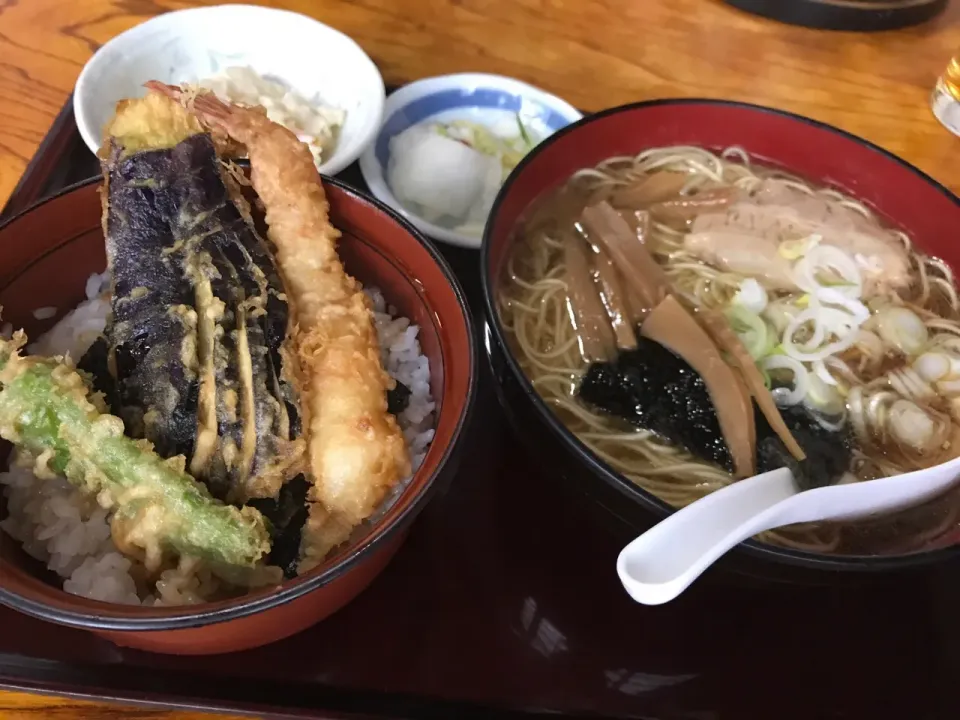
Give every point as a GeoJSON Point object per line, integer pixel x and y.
{"type": "Point", "coordinates": [356, 450]}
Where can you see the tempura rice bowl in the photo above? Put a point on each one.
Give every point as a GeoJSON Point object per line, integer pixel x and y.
{"type": "Point", "coordinates": [66, 539]}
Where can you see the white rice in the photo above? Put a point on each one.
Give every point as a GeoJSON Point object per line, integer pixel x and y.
{"type": "Point", "coordinates": [58, 525]}
{"type": "Point", "coordinates": [45, 313]}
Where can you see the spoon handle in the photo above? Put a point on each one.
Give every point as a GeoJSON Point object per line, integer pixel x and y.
{"type": "Point", "coordinates": [661, 563]}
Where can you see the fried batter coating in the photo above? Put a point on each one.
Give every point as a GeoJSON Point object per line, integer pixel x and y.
{"type": "Point", "coordinates": [356, 449]}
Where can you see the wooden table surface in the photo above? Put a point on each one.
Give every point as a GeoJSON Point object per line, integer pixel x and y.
{"type": "Point", "coordinates": [595, 53]}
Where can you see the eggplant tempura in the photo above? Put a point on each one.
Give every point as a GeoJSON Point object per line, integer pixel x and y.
{"type": "Point", "coordinates": [245, 371]}
{"type": "Point", "coordinates": [199, 314]}
{"type": "Point", "coordinates": [355, 450]}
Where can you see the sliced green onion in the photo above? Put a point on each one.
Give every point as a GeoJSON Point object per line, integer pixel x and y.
{"type": "Point", "coordinates": [801, 379]}
{"type": "Point", "coordinates": [752, 331]}
{"type": "Point", "coordinates": [903, 329]}
{"type": "Point", "coordinates": [751, 296]}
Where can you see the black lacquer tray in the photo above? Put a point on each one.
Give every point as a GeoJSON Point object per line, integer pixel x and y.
{"type": "Point", "coordinates": [505, 603]}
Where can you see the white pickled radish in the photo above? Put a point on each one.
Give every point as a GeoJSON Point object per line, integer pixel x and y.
{"type": "Point", "coordinates": [491, 187]}
{"type": "Point", "coordinates": [442, 176]}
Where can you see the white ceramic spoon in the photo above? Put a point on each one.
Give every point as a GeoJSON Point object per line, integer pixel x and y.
{"type": "Point", "coordinates": [661, 563]}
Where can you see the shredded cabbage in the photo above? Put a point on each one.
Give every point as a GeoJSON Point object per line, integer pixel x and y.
{"type": "Point", "coordinates": [314, 123]}
{"type": "Point", "coordinates": [508, 150]}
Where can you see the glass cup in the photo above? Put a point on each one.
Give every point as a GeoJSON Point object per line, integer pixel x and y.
{"type": "Point", "coordinates": [946, 96]}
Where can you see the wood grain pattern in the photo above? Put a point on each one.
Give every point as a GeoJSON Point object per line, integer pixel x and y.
{"type": "Point", "coordinates": [23, 706]}
{"type": "Point", "coordinates": [595, 53]}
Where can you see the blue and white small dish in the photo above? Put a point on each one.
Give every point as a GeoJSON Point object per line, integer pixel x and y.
{"type": "Point", "coordinates": [491, 101]}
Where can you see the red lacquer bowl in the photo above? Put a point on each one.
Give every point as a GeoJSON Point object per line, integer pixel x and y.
{"type": "Point", "coordinates": [46, 255]}
{"type": "Point", "coordinates": [897, 191]}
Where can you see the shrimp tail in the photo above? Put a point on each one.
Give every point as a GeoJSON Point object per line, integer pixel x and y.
{"type": "Point", "coordinates": [214, 114]}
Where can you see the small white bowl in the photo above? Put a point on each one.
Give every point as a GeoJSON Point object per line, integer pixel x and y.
{"type": "Point", "coordinates": [467, 96]}
{"type": "Point", "coordinates": [190, 45]}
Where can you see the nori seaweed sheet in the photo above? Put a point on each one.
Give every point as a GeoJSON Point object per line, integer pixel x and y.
{"type": "Point", "coordinates": [95, 362]}
{"type": "Point", "coordinates": [287, 514]}
{"type": "Point", "coordinates": [828, 452]}
{"type": "Point", "coordinates": [654, 389]}
{"type": "Point", "coordinates": [398, 398]}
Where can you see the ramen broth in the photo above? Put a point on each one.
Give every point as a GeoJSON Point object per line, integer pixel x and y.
{"type": "Point", "coordinates": [840, 342]}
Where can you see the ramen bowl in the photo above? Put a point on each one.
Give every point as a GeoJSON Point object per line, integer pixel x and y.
{"type": "Point", "coordinates": [47, 255]}
{"type": "Point", "coordinates": [899, 194]}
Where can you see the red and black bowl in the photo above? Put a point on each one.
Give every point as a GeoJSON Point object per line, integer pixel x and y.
{"type": "Point", "coordinates": [46, 255]}
{"type": "Point", "coordinates": [899, 192]}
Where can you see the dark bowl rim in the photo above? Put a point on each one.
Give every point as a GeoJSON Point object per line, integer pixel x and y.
{"type": "Point", "coordinates": [764, 551]}
{"type": "Point", "coordinates": [188, 617]}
